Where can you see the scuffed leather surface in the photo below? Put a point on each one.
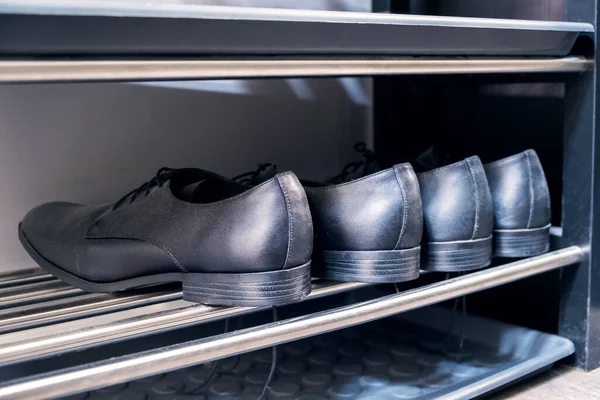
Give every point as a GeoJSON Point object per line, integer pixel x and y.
{"type": "Point", "coordinates": [378, 212]}
{"type": "Point", "coordinates": [457, 203]}
{"type": "Point", "coordinates": [159, 233]}
{"type": "Point", "coordinates": [519, 192]}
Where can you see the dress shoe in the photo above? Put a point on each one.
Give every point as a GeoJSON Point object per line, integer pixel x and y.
{"type": "Point", "coordinates": [458, 217]}
{"type": "Point", "coordinates": [229, 244]}
{"type": "Point", "coordinates": [368, 229]}
{"type": "Point", "coordinates": [521, 205]}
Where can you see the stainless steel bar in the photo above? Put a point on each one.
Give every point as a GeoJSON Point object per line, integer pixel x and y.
{"type": "Point", "coordinates": [32, 290]}
{"type": "Point", "coordinates": [69, 336]}
{"type": "Point", "coordinates": [58, 293]}
{"type": "Point", "coordinates": [7, 276]}
{"type": "Point", "coordinates": [38, 314]}
{"type": "Point", "coordinates": [126, 368]}
{"type": "Point", "coordinates": [27, 280]}
{"type": "Point", "coordinates": [141, 70]}
{"type": "Point", "coordinates": [22, 277]}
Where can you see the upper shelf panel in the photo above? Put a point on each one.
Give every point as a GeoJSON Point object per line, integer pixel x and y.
{"type": "Point", "coordinates": [43, 27]}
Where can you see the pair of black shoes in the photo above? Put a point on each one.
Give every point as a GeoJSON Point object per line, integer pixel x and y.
{"type": "Point", "coordinates": [247, 243]}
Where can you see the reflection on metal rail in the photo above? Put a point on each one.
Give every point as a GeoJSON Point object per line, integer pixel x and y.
{"type": "Point", "coordinates": [148, 70]}
{"type": "Point", "coordinates": [22, 277]}
{"type": "Point", "coordinates": [126, 368]}
{"type": "Point", "coordinates": [85, 332]}
{"type": "Point", "coordinates": [28, 293]}
{"type": "Point", "coordinates": [85, 305]}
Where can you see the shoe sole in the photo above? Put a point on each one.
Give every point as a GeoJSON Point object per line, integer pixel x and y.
{"type": "Point", "coordinates": [386, 266]}
{"type": "Point", "coordinates": [256, 289]}
{"type": "Point", "coordinates": [517, 243]}
{"type": "Point", "coordinates": [458, 256]}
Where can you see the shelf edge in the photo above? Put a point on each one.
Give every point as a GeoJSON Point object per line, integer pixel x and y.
{"type": "Point", "coordinates": [118, 9]}
{"type": "Point", "coordinates": [157, 70]}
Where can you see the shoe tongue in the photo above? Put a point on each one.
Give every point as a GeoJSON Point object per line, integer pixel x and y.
{"type": "Point", "coordinates": [210, 190]}
{"type": "Point", "coordinates": [366, 169]}
{"type": "Point", "coordinates": [430, 159]}
{"type": "Point", "coordinates": [356, 170]}
{"type": "Point", "coordinates": [263, 175]}
{"type": "Point", "coordinates": [370, 167]}
{"type": "Point", "coordinates": [190, 192]}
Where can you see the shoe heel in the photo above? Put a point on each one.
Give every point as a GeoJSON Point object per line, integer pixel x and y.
{"type": "Point", "coordinates": [458, 256]}
{"type": "Point", "coordinates": [386, 266]}
{"type": "Point", "coordinates": [521, 242]}
{"type": "Point", "coordinates": [256, 289]}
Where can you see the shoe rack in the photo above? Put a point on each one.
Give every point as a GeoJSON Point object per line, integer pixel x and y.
{"type": "Point", "coordinates": [56, 340]}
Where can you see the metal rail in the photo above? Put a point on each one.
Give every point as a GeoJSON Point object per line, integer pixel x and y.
{"type": "Point", "coordinates": [126, 368]}
{"type": "Point", "coordinates": [151, 319]}
{"type": "Point", "coordinates": [151, 70]}
{"type": "Point", "coordinates": [86, 305]}
{"type": "Point", "coordinates": [23, 276]}
{"type": "Point", "coordinates": [28, 293]}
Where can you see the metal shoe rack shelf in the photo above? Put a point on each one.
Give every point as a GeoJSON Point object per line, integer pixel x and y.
{"type": "Point", "coordinates": [42, 317]}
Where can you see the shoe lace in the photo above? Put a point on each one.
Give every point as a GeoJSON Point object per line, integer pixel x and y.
{"type": "Point", "coordinates": [352, 167]}
{"type": "Point", "coordinates": [162, 176]}
{"type": "Point", "coordinates": [251, 176]}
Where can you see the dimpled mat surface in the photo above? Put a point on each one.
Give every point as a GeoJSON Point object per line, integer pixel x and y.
{"type": "Point", "coordinates": [425, 354]}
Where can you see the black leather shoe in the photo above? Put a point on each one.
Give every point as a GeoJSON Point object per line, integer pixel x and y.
{"type": "Point", "coordinates": [228, 244]}
{"type": "Point", "coordinates": [368, 229]}
{"type": "Point", "coordinates": [458, 217]}
{"type": "Point", "coordinates": [521, 205]}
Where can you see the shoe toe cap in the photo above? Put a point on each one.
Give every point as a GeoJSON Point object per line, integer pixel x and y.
{"type": "Point", "coordinates": [53, 227]}
{"type": "Point", "coordinates": [44, 220]}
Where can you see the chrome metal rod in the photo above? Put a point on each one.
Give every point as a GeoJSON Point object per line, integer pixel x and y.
{"type": "Point", "coordinates": [27, 280]}
{"type": "Point", "coordinates": [126, 368]}
{"type": "Point", "coordinates": [17, 289]}
{"type": "Point", "coordinates": [69, 336]}
{"type": "Point", "coordinates": [18, 277]}
{"type": "Point", "coordinates": [31, 289]}
{"type": "Point", "coordinates": [37, 297]}
{"type": "Point", "coordinates": [143, 70]}
{"type": "Point", "coordinates": [47, 312]}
